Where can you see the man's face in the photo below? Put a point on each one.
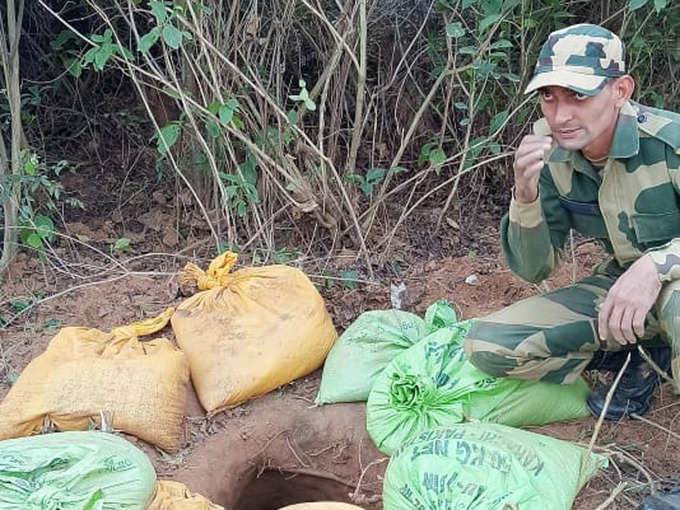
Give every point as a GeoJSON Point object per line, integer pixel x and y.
{"type": "Point", "coordinates": [576, 120]}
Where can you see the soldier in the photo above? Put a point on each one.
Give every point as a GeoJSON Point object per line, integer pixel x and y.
{"type": "Point", "coordinates": [608, 168]}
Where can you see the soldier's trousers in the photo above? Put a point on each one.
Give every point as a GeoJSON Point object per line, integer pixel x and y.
{"type": "Point", "coordinates": [552, 337]}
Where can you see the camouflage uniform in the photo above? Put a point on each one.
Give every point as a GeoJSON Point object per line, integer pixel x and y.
{"type": "Point", "coordinates": [631, 205]}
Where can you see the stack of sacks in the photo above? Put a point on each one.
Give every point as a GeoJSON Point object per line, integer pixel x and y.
{"type": "Point", "coordinates": [432, 384]}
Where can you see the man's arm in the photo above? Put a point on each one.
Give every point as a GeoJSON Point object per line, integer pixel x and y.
{"type": "Point", "coordinates": [536, 225]}
{"type": "Point", "coordinates": [667, 257]}
{"type": "Point", "coordinates": [632, 296]}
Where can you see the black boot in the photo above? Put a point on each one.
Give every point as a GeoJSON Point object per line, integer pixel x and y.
{"type": "Point", "coordinates": [668, 501]}
{"type": "Point", "coordinates": [607, 361]}
{"type": "Point", "coordinates": [633, 395]}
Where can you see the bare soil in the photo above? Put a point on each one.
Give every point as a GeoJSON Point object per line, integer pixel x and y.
{"type": "Point", "coordinates": [281, 449]}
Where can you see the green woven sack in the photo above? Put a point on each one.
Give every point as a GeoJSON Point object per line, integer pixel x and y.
{"type": "Point", "coordinates": [432, 384]}
{"type": "Point", "coordinates": [74, 471]}
{"type": "Point", "coordinates": [369, 344]}
{"type": "Point", "coordinates": [486, 466]}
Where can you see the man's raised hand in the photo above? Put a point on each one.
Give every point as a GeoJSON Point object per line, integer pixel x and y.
{"type": "Point", "coordinates": [529, 160]}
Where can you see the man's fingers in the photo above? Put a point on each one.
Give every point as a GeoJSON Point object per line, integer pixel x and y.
{"type": "Point", "coordinates": [614, 324]}
{"type": "Point", "coordinates": [603, 319]}
{"type": "Point", "coordinates": [627, 325]}
{"type": "Point", "coordinates": [539, 149]}
{"type": "Point", "coordinates": [528, 139]}
{"type": "Point", "coordinates": [528, 159]}
{"type": "Point", "coordinates": [639, 323]}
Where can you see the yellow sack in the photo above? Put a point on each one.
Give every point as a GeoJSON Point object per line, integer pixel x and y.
{"type": "Point", "coordinates": [171, 495]}
{"type": "Point", "coordinates": [83, 372]}
{"type": "Point", "coordinates": [250, 331]}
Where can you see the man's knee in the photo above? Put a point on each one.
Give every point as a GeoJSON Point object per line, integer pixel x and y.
{"type": "Point", "coordinates": [488, 360]}
{"type": "Point", "coordinates": [669, 310]}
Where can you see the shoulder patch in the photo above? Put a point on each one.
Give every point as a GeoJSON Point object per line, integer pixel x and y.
{"type": "Point", "coordinates": [660, 124]}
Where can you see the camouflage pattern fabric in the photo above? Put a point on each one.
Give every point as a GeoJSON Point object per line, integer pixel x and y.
{"type": "Point", "coordinates": [632, 206]}
{"type": "Point", "coordinates": [581, 57]}
{"type": "Point", "coordinates": [552, 337]}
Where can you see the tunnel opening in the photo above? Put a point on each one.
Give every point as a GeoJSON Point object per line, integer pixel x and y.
{"type": "Point", "coordinates": [274, 489]}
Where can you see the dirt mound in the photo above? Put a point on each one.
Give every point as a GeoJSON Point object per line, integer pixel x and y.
{"type": "Point", "coordinates": [280, 449]}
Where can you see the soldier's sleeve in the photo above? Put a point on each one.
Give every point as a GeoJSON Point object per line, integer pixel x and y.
{"type": "Point", "coordinates": [532, 234]}
{"type": "Point", "coordinates": [667, 257]}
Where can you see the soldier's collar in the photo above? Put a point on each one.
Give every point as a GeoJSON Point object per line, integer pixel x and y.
{"type": "Point", "coordinates": [626, 141]}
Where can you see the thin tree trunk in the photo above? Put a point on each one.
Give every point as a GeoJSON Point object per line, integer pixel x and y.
{"type": "Point", "coordinates": [9, 58]}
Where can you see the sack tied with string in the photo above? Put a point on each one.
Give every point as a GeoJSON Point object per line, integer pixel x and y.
{"type": "Point", "coordinates": [249, 331]}
{"type": "Point", "coordinates": [368, 345]}
{"type": "Point", "coordinates": [432, 384]}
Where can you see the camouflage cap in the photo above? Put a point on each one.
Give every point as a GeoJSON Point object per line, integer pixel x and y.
{"type": "Point", "coordinates": [581, 58]}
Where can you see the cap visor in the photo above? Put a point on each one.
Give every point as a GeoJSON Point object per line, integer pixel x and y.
{"type": "Point", "coordinates": [587, 84]}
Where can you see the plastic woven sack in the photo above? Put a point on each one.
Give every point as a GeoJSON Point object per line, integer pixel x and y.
{"type": "Point", "coordinates": [74, 471]}
{"type": "Point", "coordinates": [250, 331]}
{"type": "Point", "coordinates": [172, 495]}
{"type": "Point", "coordinates": [83, 372]}
{"type": "Point", "coordinates": [432, 384]}
{"type": "Point", "coordinates": [485, 466]}
{"type": "Point", "coordinates": [367, 346]}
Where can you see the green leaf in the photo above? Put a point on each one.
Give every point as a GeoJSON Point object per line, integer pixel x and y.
{"type": "Point", "coordinates": [293, 117]}
{"type": "Point", "coordinates": [12, 377]}
{"type": "Point", "coordinates": [169, 133]}
{"type": "Point", "coordinates": [467, 3]}
{"type": "Point", "coordinates": [660, 5]}
{"type": "Point", "coordinates": [311, 105]}
{"type": "Point", "coordinates": [159, 11]}
{"type": "Point", "coordinates": [501, 43]}
{"type": "Point", "coordinates": [455, 30]}
{"type": "Point", "coordinates": [374, 175]}
{"type": "Point", "coordinates": [148, 40]}
{"type": "Point", "coordinates": [34, 241]}
{"type": "Point", "coordinates": [241, 209]}
{"type": "Point", "coordinates": [437, 157]}
{"type": "Point", "coordinates": [349, 278]}
{"type": "Point", "coordinates": [172, 36]}
{"type": "Point", "coordinates": [356, 178]}
{"type": "Point", "coordinates": [488, 21]}
{"type": "Point", "coordinates": [74, 67]}
{"type": "Point", "coordinates": [101, 56]}
{"type": "Point", "coordinates": [31, 164]}
{"type": "Point", "coordinates": [19, 305]}
{"type": "Point", "coordinates": [495, 148]}
{"type": "Point", "coordinates": [497, 121]}
{"type": "Point", "coordinates": [121, 245]}
{"type": "Point", "coordinates": [226, 111]}
{"type": "Point", "coordinates": [398, 170]}
{"type": "Point", "coordinates": [63, 37]}
{"type": "Point", "coordinates": [51, 324]}
{"type": "Point", "coordinates": [124, 52]}
{"type": "Point", "coordinates": [461, 106]}
{"type": "Point", "coordinates": [634, 5]}
{"type": "Point", "coordinates": [467, 50]}
{"type": "Point", "coordinates": [212, 128]}
{"type": "Point", "coordinates": [44, 227]}
{"type": "Point", "coordinates": [511, 77]}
